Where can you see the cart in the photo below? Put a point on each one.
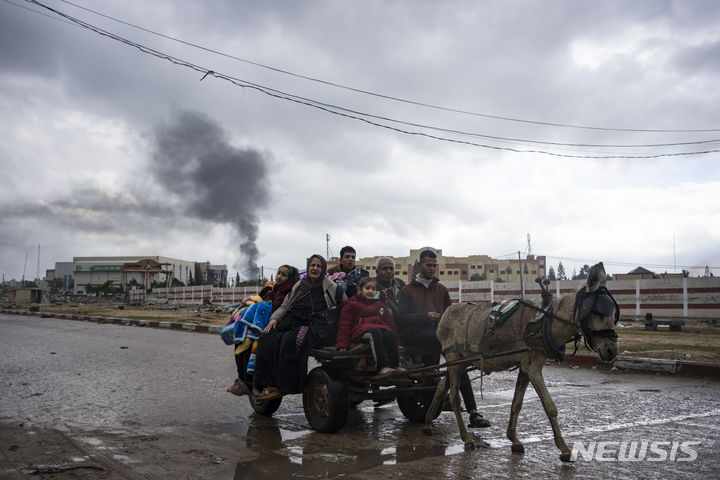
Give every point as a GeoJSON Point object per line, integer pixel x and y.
{"type": "Point", "coordinates": [345, 379]}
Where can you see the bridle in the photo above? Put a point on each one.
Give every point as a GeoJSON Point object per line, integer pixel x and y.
{"type": "Point", "coordinates": [599, 301]}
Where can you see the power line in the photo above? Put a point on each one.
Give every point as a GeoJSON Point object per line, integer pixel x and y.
{"type": "Point", "coordinates": [418, 125]}
{"type": "Point", "coordinates": [334, 109]}
{"type": "Point", "coordinates": [24, 7]}
{"type": "Point", "coordinates": [387, 97]}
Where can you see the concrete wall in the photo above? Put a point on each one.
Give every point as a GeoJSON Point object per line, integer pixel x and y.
{"type": "Point", "coordinates": [671, 297]}
{"type": "Point", "coordinates": [680, 298]}
{"type": "Point", "coordinates": [192, 295]}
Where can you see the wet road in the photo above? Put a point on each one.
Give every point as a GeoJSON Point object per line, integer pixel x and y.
{"type": "Point", "coordinates": [151, 403]}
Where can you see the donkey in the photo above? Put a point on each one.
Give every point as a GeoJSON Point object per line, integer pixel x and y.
{"type": "Point", "coordinates": [524, 339]}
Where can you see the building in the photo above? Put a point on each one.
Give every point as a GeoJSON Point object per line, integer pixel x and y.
{"type": "Point", "coordinates": [639, 273]}
{"type": "Point", "coordinates": [215, 275]}
{"type": "Point", "coordinates": [26, 295]}
{"type": "Point", "coordinates": [128, 270]}
{"type": "Point", "coordinates": [473, 267]}
{"type": "Point", "coordinates": [63, 271]}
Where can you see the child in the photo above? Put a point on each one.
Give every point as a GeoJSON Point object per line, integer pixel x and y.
{"type": "Point", "coordinates": [363, 316]}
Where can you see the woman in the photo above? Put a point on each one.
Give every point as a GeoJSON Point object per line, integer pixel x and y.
{"type": "Point", "coordinates": [286, 277]}
{"type": "Point", "coordinates": [282, 353]}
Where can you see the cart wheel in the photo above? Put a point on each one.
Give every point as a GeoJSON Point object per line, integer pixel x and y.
{"type": "Point", "coordinates": [325, 401]}
{"type": "Point", "coordinates": [415, 406]}
{"type": "Point", "coordinates": [266, 408]}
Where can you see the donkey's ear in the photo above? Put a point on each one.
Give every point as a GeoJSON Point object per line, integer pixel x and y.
{"type": "Point", "coordinates": [596, 277]}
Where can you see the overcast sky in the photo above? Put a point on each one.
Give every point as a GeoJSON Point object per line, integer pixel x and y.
{"type": "Point", "coordinates": [107, 150]}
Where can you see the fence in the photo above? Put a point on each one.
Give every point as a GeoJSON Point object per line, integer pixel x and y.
{"type": "Point", "coordinates": [193, 295]}
{"type": "Point", "coordinates": [677, 297]}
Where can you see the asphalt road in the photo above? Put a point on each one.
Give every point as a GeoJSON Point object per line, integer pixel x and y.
{"type": "Point", "coordinates": [83, 400]}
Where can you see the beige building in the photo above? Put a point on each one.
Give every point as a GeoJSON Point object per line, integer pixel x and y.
{"type": "Point", "coordinates": [473, 267]}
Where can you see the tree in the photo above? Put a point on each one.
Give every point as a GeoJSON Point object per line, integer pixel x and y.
{"type": "Point", "coordinates": [561, 272]}
{"type": "Point", "coordinates": [477, 277]}
{"type": "Point", "coordinates": [584, 272]}
{"type": "Point", "coordinates": [551, 274]}
{"type": "Point", "coordinates": [106, 288]}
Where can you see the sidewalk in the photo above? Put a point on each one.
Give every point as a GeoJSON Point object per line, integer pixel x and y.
{"type": "Point", "coordinates": [676, 367]}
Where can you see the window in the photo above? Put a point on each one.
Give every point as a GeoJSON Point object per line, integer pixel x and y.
{"type": "Point", "coordinates": [472, 267]}
{"type": "Point", "coordinates": [492, 271]}
{"type": "Point", "coordinates": [404, 273]}
{"type": "Point", "coordinates": [518, 272]}
{"type": "Point", "coordinates": [534, 272]}
{"type": "Point", "coordinates": [464, 272]}
{"type": "Point", "coordinates": [457, 273]}
{"type": "Point", "coordinates": [397, 273]}
{"type": "Point", "coordinates": [373, 267]}
{"type": "Point", "coordinates": [442, 272]}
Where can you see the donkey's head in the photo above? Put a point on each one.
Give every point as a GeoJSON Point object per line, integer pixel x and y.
{"type": "Point", "coordinates": [596, 313]}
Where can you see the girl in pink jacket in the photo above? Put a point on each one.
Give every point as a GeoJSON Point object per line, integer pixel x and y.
{"type": "Point", "coordinates": [363, 316]}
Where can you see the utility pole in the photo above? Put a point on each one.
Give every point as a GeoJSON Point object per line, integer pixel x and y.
{"type": "Point", "coordinates": [327, 246]}
{"type": "Point", "coordinates": [37, 275]}
{"type": "Point", "coordinates": [529, 249]}
{"type": "Point", "coordinates": [22, 282]}
{"type": "Point", "coordinates": [522, 286]}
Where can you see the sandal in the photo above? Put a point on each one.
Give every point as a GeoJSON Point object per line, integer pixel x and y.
{"type": "Point", "coordinates": [477, 421]}
{"type": "Point", "coordinates": [268, 393]}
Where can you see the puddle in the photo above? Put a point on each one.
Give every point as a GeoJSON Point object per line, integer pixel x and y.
{"type": "Point", "coordinates": [296, 461]}
{"type": "Point", "coordinates": [238, 428]}
{"type": "Point", "coordinates": [287, 435]}
{"type": "Point", "coordinates": [91, 441]}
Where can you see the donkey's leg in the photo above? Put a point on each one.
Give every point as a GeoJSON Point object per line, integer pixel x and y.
{"type": "Point", "coordinates": [437, 400]}
{"type": "Point", "coordinates": [551, 411]}
{"type": "Point", "coordinates": [454, 374]}
{"type": "Point", "coordinates": [517, 402]}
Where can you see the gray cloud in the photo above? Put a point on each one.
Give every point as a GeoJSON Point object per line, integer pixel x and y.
{"type": "Point", "coordinates": [649, 64]}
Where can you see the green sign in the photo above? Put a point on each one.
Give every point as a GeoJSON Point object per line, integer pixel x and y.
{"type": "Point", "coordinates": [99, 268]}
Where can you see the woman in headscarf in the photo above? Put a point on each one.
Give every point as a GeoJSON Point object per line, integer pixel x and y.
{"type": "Point", "coordinates": [287, 276]}
{"type": "Point", "coordinates": [282, 354]}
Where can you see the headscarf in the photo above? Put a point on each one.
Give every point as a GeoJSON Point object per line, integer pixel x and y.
{"type": "Point", "coordinates": [306, 284]}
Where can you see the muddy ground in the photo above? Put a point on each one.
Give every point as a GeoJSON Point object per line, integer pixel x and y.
{"type": "Point", "coordinates": [89, 400]}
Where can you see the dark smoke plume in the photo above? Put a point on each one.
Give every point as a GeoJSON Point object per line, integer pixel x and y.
{"type": "Point", "coordinates": [217, 182]}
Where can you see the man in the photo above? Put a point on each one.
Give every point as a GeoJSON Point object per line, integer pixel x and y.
{"type": "Point", "coordinates": [353, 274]}
{"type": "Point", "coordinates": [388, 286]}
{"type": "Point", "coordinates": [347, 261]}
{"type": "Point", "coordinates": [422, 303]}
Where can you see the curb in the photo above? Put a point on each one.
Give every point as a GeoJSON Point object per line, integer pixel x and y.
{"type": "Point", "coordinates": [675, 367]}
{"type": "Point", "coordinates": [189, 327]}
